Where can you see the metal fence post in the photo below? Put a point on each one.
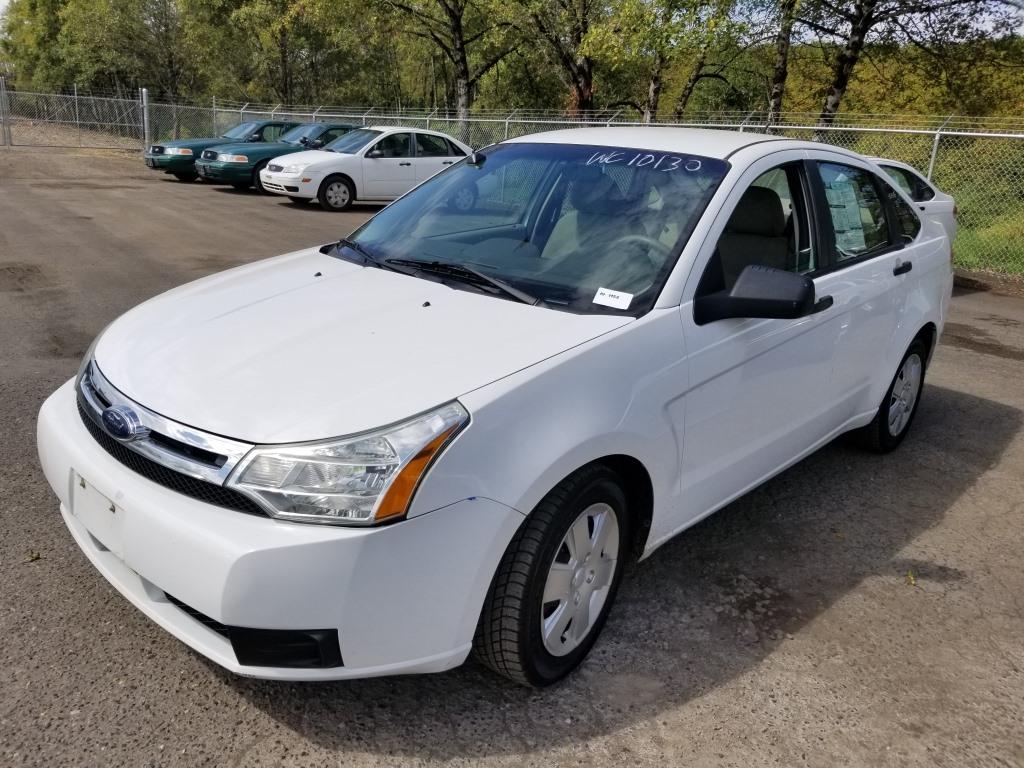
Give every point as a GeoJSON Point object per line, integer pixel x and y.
{"type": "Point", "coordinates": [935, 147]}
{"type": "Point", "coordinates": [78, 122]}
{"type": "Point", "coordinates": [144, 105]}
{"type": "Point", "coordinates": [215, 117]}
{"type": "Point", "coordinates": [509, 118]}
{"type": "Point", "coordinates": [5, 130]}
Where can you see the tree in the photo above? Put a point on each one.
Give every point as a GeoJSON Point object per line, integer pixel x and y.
{"type": "Point", "coordinates": [470, 34]}
{"type": "Point", "coordinates": [780, 70]}
{"type": "Point", "coordinates": [851, 25]}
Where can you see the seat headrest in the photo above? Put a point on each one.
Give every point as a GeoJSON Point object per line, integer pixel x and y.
{"type": "Point", "coordinates": [759, 212]}
{"type": "Point", "coordinates": [591, 191]}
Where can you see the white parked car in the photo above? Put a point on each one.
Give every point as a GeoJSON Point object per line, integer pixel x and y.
{"type": "Point", "coordinates": [375, 164]}
{"type": "Point", "coordinates": [928, 198]}
{"type": "Point", "coordinates": [449, 431]}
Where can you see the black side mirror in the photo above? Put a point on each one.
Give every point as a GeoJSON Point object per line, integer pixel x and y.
{"type": "Point", "coordinates": [374, 154]}
{"type": "Point", "coordinates": [304, 140]}
{"type": "Point", "coordinates": [254, 137]}
{"type": "Point", "coordinates": [315, 144]}
{"type": "Point", "coordinates": [763, 292]}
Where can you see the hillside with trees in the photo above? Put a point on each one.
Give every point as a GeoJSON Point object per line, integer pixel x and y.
{"type": "Point", "coordinates": [647, 59]}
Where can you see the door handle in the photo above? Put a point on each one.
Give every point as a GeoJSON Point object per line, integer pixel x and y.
{"type": "Point", "coordinates": [405, 163]}
{"type": "Point", "coordinates": [903, 268]}
{"type": "Point", "coordinates": [447, 162]}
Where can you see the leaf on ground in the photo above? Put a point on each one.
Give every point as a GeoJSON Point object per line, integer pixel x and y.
{"type": "Point", "coordinates": [33, 556]}
{"type": "Point", "coordinates": [911, 578]}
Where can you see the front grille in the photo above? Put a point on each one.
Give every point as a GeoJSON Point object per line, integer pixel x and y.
{"type": "Point", "coordinates": [202, 618]}
{"type": "Point", "coordinates": [274, 168]}
{"type": "Point", "coordinates": [200, 490]}
{"type": "Point", "coordinates": [209, 154]}
{"type": "Point", "coordinates": [156, 149]}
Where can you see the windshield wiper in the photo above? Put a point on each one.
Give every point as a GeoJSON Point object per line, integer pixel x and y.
{"type": "Point", "coordinates": [469, 275]}
{"type": "Point", "coordinates": [370, 259]}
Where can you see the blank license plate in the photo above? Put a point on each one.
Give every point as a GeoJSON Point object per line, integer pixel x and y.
{"type": "Point", "coordinates": [100, 516]}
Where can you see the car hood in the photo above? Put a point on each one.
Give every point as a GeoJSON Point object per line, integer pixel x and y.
{"type": "Point", "coordinates": [192, 144]}
{"type": "Point", "coordinates": [257, 150]}
{"type": "Point", "coordinates": [316, 157]}
{"type": "Point", "coordinates": [307, 346]}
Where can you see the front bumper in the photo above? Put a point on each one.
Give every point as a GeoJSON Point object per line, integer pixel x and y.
{"type": "Point", "coordinates": [170, 163]}
{"type": "Point", "coordinates": [228, 173]}
{"type": "Point", "coordinates": [293, 185]}
{"type": "Point", "coordinates": [404, 598]}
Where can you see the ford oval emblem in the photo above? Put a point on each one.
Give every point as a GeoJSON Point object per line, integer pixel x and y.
{"type": "Point", "coordinates": [122, 423]}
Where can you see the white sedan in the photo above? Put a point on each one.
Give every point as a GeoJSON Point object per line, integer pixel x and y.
{"type": "Point", "coordinates": [448, 432]}
{"type": "Point", "coordinates": [928, 198]}
{"type": "Point", "coordinates": [376, 164]}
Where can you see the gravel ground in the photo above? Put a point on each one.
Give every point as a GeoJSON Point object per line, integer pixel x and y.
{"type": "Point", "coordinates": [856, 610]}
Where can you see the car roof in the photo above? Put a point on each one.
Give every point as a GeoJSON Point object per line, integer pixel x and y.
{"type": "Point", "coordinates": [696, 141]}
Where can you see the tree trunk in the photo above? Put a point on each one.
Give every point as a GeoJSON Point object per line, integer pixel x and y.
{"type": "Point", "coordinates": [781, 71]}
{"type": "Point", "coordinates": [654, 90]}
{"type": "Point", "coordinates": [687, 92]}
{"type": "Point", "coordinates": [583, 86]}
{"type": "Point", "coordinates": [862, 22]}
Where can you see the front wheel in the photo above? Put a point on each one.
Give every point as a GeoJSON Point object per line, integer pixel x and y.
{"type": "Point", "coordinates": [336, 194]}
{"type": "Point", "coordinates": [899, 406]}
{"type": "Point", "coordinates": [257, 182]}
{"type": "Point", "coordinates": [557, 580]}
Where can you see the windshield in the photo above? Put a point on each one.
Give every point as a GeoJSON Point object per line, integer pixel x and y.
{"type": "Point", "coordinates": [582, 228]}
{"type": "Point", "coordinates": [353, 141]}
{"type": "Point", "coordinates": [300, 132]}
{"type": "Point", "coordinates": [240, 131]}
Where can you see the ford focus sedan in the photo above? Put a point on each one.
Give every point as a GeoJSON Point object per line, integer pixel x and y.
{"type": "Point", "coordinates": [370, 164]}
{"type": "Point", "coordinates": [449, 432]}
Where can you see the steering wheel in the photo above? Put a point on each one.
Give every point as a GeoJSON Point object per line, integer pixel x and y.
{"type": "Point", "coordinates": [662, 249]}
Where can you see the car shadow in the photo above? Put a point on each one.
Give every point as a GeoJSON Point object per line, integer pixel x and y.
{"type": "Point", "coordinates": [705, 608]}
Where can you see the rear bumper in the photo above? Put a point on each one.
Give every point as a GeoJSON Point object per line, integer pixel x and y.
{"type": "Point", "coordinates": [403, 598]}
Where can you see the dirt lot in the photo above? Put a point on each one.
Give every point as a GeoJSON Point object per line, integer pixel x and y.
{"type": "Point", "coordinates": [856, 610]}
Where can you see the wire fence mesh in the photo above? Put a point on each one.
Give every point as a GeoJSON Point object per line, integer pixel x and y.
{"type": "Point", "coordinates": [980, 161]}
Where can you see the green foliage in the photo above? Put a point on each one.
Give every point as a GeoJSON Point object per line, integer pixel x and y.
{"type": "Point", "coordinates": [654, 56]}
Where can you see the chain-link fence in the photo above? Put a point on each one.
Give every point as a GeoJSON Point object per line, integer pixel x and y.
{"type": "Point", "coordinates": [980, 161]}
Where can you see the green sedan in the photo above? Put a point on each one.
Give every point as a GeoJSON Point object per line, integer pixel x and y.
{"type": "Point", "coordinates": [240, 164]}
{"type": "Point", "coordinates": [178, 157]}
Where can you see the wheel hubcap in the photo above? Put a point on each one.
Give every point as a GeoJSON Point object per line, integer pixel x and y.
{"type": "Point", "coordinates": [579, 579]}
{"type": "Point", "coordinates": [337, 194]}
{"type": "Point", "coordinates": [904, 394]}
{"type": "Point", "coordinates": [463, 199]}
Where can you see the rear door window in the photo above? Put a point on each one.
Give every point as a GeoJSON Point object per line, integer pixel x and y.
{"type": "Point", "coordinates": [856, 209]}
{"type": "Point", "coordinates": [431, 146]}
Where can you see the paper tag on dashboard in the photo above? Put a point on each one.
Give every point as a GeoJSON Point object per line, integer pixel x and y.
{"type": "Point", "coordinates": [616, 299]}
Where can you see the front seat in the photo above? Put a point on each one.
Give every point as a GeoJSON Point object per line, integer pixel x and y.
{"type": "Point", "coordinates": [595, 213]}
{"type": "Point", "coordinates": [755, 234]}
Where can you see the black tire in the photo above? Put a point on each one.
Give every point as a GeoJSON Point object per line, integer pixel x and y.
{"type": "Point", "coordinates": [257, 182]}
{"type": "Point", "coordinates": [877, 436]}
{"type": "Point", "coordinates": [299, 200]}
{"type": "Point", "coordinates": [185, 175]}
{"type": "Point", "coordinates": [241, 186]}
{"type": "Point", "coordinates": [327, 191]}
{"type": "Point", "coordinates": [508, 637]}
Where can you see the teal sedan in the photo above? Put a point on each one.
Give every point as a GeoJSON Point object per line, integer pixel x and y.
{"type": "Point", "coordinates": [240, 164]}
{"type": "Point", "coordinates": [178, 157]}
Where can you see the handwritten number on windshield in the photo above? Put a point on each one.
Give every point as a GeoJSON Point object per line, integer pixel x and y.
{"type": "Point", "coordinates": [657, 162]}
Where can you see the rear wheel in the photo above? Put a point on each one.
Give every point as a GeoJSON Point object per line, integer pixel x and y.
{"type": "Point", "coordinates": [899, 406]}
{"type": "Point", "coordinates": [557, 580]}
{"type": "Point", "coordinates": [336, 194]}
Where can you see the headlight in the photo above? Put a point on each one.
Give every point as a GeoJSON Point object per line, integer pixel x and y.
{"type": "Point", "coordinates": [359, 480]}
{"type": "Point", "coordinates": [177, 151]}
{"type": "Point", "coordinates": [233, 158]}
{"type": "Point", "coordinates": [294, 168]}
